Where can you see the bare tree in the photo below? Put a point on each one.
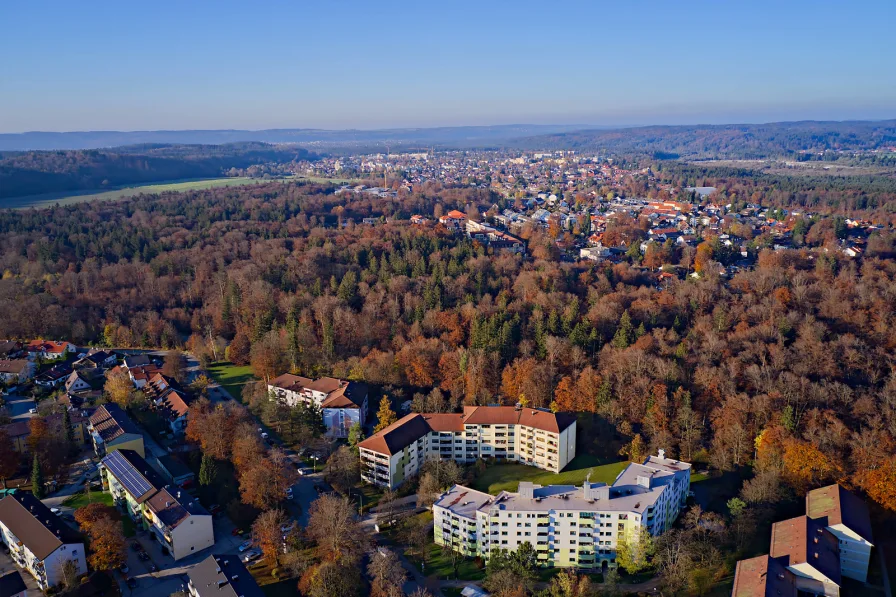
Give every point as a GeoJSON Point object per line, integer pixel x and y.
{"type": "Point", "coordinates": [332, 524]}
{"type": "Point", "coordinates": [387, 573]}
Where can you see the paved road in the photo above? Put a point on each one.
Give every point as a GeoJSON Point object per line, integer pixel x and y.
{"type": "Point", "coordinates": [18, 406]}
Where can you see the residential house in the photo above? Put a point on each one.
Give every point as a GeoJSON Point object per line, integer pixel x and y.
{"type": "Point", "coordinates": [343, 403]}
{"type": "Point", "coordinates": [174, 517]}
{"type": "Point", "coordinates": [54, 376]}
{"type": "Point", "coordinates": [97, 359]}
{"type": "Point", "coordinates": [221, 575]}
{"type": "Point", "coordinates": [169, 401]}
{"type": "Point", "coordinates": [12, 585]}
{"type": "Point", "coordinates": [454, 220]}
{"type": "Point", "coordinates": [567, 526]}
{"type": "Point", "coordinates": [49, 350]}
{"type": "Point", "coordinates": [19, 431]}
{"type": "Point", "coordinates": [16, 370]}
{"type": "Point", "coordinates": [505, 433]}
{"type": "Point", "coordinates": [136, 360]}
{"type": "Point", "coordinates": [111, 429]}
{"type": "Point", "coordinates": [12, 349]}
{"type": "Point", "coordinates": [78, 382]}
{"type": "Point", "coordinates": [38, 540]}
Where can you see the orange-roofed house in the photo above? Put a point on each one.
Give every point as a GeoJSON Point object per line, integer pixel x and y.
{"type": "Point", "coordinates": [48, 349]}
{"type": "Point", "coordinates": [454, 220]}
{"type": "Point", "coordinates": [342, 403]}
{"type": "Point", "coordinates": [504, 433]}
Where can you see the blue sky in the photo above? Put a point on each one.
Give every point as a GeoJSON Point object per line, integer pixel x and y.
{"type": "Point", "coordinates": [163, 64]}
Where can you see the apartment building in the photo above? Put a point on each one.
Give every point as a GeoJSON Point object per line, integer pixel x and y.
{"type": "Point", "coordinates": [832, 541]}
{"type": "Point", "coordinates": [532, 436]}
{"type": "Point", "coordinates": [568, 526]}
{"type": "Point", "coordinates": [846, 517]}
{"type": "Point", "coordinates": [175, 518]}
{"type": "Point", "coordinates": [111, 429]}
{"type": "Point", "coordinates": [342, 403]}
{"type": "Point", "coordinates": [221, 575]}
{"type": "Point", "coordinates": [38, 540]}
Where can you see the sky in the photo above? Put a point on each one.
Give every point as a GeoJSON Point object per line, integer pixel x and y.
{"type": "Point", "coordinates": [96, 65]}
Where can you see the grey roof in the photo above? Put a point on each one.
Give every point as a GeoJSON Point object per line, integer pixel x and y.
{"type": "Point", "coordinates": [463, 501]}
{"type": "Point", "coordinates": [223, 575]}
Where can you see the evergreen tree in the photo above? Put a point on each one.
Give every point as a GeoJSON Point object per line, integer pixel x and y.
{"type": "Point", "coordinates": [207, 470]}
{"type": "Point", "coordinates": [623, 337]}
{"type": "Point", "coordinates": [37, 480]}
{"type": "Point", "coordinates": [355, 435]}
{"type": "Point", "coordinates": [69, 430]}
{"type": "Point", "coordinates": [385, 415]}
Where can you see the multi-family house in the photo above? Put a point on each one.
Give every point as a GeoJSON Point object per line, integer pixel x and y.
{"type": "Point", "coordinates": [174, 517]}
{"type": "Point", "coordinates": [54, 376]}
{"type": "Point", "coordinates": [16, 370]}
{"type": "Point", "coordinates": [763, 576]}
{"type": "Point", "coordinates": [111, 429]}
{"type": "Point", "coordinates": [221, 575]}
{"type": "Point", "coordinates": [831, 542]}
{"type": "Point", "coordinates": [454, 220]}
{"type": "Point", "coordinates": [342, 403]}
{"type": "Point", "coordinates": [568, 526]}
{"type": "Point", "coordinates": [505, 433]}
{"type": "Point", "coordinates": [49, 350]}
{"type": "Point", "coordinates": [19, 431]}
{"type": "Point", "coordinates": [169, 401]}
{"type": "Point", "coordinates": [846, 517]}
{"type": "Point", "coordinates": [38, 540]}
{"type": "Point", "coordinates": [97, 359]}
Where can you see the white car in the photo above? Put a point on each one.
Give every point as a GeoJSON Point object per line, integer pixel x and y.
{"type": "Point", "coordinates": [245, 545]}
{"type": "Point", "coordinates": [32, 411]}
{"type": "Point", "coordinates": [252, 554]}
{"type": "Point", "coordinates": [303, 471]}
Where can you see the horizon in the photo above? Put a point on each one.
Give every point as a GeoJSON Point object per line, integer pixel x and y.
{"type": "Point", "coordinates": [223, 66]}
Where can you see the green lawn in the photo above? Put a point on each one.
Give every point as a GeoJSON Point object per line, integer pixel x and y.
{"type": "Point", "coordinates": [439, 564]}
{"type": "Point", "coordinates": [68, 197]}
{"type": "Point", "coordinates": [79, 500]}
{"type": "Point", "coordinates": [231, 377]}
{"type": "Point", "coordinates": [506, 477]}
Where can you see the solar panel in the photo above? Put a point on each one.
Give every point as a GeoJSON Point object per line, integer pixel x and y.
{"type": "Point", "coordinates": [132, 480]}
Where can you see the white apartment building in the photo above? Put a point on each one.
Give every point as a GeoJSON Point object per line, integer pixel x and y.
{"type": "Point", "coordinates": [342, 403]}
{"type": "Point", "coordinates": [38, 540]}
{"type": "Point", "coordinates": [174, 518]}
{"type": "Point", "coordinates": [568, 526]}
{"type": "Point", "coordinates": [846, 517]}
{"type": "Point", "coordinates": [532, 436]}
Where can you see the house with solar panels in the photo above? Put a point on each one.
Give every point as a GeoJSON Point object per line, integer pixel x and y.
{"type": "Point", "coordinates": [174, 518]}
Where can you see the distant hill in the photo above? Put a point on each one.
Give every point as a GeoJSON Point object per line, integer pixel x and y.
{"type": "Point", "coordinates": [744, 141]}
{"type": "Point", "coordinates": [38, 172]}
{"type": "Point", "coordinates": [459, 136]}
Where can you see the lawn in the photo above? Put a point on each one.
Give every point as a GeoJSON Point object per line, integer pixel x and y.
{"type": "Point", "coordinates": [439, 564]}
{"type": "Point", "coordinates": [68, 197]}
{"type": "Point", "coordinates": [79, 500]}
{"type": "Point", "coordinates": [231, 377]}
{"type": "Point", "coordinates": [506, 477]}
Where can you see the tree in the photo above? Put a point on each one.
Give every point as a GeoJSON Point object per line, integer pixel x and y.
{"type": "Point", "coordinates": [9, 458]}
{"type": "Point", "coordinates": [806, 466]}
{"type": "Point", "coordinates": [70, 574]}
{"type": "Point", "coordinates": [267, 535]}
{"type": "Point", "coordinates": [355, 435]}
{"type": "Point", "coordinates": [387, 573]}
{"type": "Point", "coordinates": [263, 484]}
{"type": "Point", "coordinates": [237, 352]}
{"type": "Point", "coordinates": [385, 415]}
{"type": "Point", "coordinates": [175, 365]}
{"type": "Point", "coordinates": [624, 333]}
{"type": "Point", "coordinates": [333, 526]}
{"type": "Point", "coordinates": [635, 450]}
{"type": "Point", "coordinates": [880, 483]}
{"type": "Point", "coordinates": [208, 470]}
{"type": "Point", "coordinates": [332, 579]}
{"type": "Point", "coordinates": [634, 549]}
{"type": "Point", "coordinates": [119, 388]}
{"type": "Point", "coordinates": [342, 470]}
{"type": "Point", "coordinates": [88, 515]}
{"type": "Point", "coordinates": [107, 543]}
{"type": "Point", "coordinates": [570, 584]}
{"type": "Point", "coordinates": [37, 480]}
{"type": "Point", "coordinates": [38, 434]}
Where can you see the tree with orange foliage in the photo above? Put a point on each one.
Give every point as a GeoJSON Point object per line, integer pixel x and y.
{"type": "Point", "coordinates": [38, 434]}
{"type": "Point", "coordinates": [703, 257]}
{"type": "Point", "coordinates": [87, 515]}
{"type": "Point", "coordinates": [266, 534]}
{"type": "Point", "coordinates": [806, 466]}
{"type": "Point", "coordinates": [107, 544]}
{"type": "Point", "coordinates": [565, 395]}
{"type": "Point", "coordinates": [880, 483]}
{"type": "Point", "coordinates": [263, 484]}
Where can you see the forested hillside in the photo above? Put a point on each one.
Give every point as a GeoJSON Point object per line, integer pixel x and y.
{"type": "Point", "coordinates": [36, 172]}
{"type": "Point", "coordinates": [798, 352]}
{"type": "Point", "coordinates": [725, 141]}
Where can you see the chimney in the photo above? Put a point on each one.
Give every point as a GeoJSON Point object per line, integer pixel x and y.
{"type": "Point", "coordinates": [661, 453]}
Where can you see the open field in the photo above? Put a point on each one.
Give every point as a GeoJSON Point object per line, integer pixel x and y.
{"type": "Point", "coordinates": [506, 477]}
{"type": "Point", "coordinates": [231, 377]}
{"type": "Point", "coordinates": [69, 197]}
{"type": "Point", "coordinates": [793, 168]}
{"type": "Point", "coordinates": [79, 500]}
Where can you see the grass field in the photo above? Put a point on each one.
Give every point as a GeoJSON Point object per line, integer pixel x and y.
{"type": "Point", "coordinates": [66, 198]}
{"type": "Point", "coordinates": [231, 377]}
{"type": "Point", "coordinates": [79, 500]}
{"type": "Point", "coordinates": [506, 477]}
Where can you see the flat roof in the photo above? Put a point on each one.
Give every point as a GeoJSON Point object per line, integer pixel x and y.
{"type": "Point", "coordinates": [463, 501]}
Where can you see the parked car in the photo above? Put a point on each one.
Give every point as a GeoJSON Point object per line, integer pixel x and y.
{"type": "Point", "coordinates": [32, 411]}
{"type": "Point", "coordinates": [244, 546]}
{"type": "Point", "coordinates": [56, 511]}
{"type": "Point", "coordinates": [264, 435]}
{"type": "Point", "coordinates": [132, 582]}
{"type": "Point", "coordinates": [304, 471]}
{"type": "Point", "coordinates": [136, 546]}
{"type": "Point", "coordinates": [287, 527]}
{"type": "Point", "coordinates": [237, 531]}
{"type": "Point", "coordinates": [143, 556]}
{"type": "Point", "coordinates": [289, 494]}
{"type": "Point", "coordinates": [124, 569]}
{"type": "Point", "coordinates": [252, 554]}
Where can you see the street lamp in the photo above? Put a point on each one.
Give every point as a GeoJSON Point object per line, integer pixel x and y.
{"type": "Point", "coordinates": [314, 458]}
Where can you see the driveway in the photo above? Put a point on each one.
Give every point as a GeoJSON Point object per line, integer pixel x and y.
{"type": "Point", "coordinates": [171, 575]}
{"type": "Point", "coordinates": [18, 406]}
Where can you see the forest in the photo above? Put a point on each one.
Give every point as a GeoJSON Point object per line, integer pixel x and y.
{"type": "Point", "coordinates": [788, 367]}
{"type": "Point", "coordinates": [38, 172]}
{"type": "Point", "coordinates": [745, 141]}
